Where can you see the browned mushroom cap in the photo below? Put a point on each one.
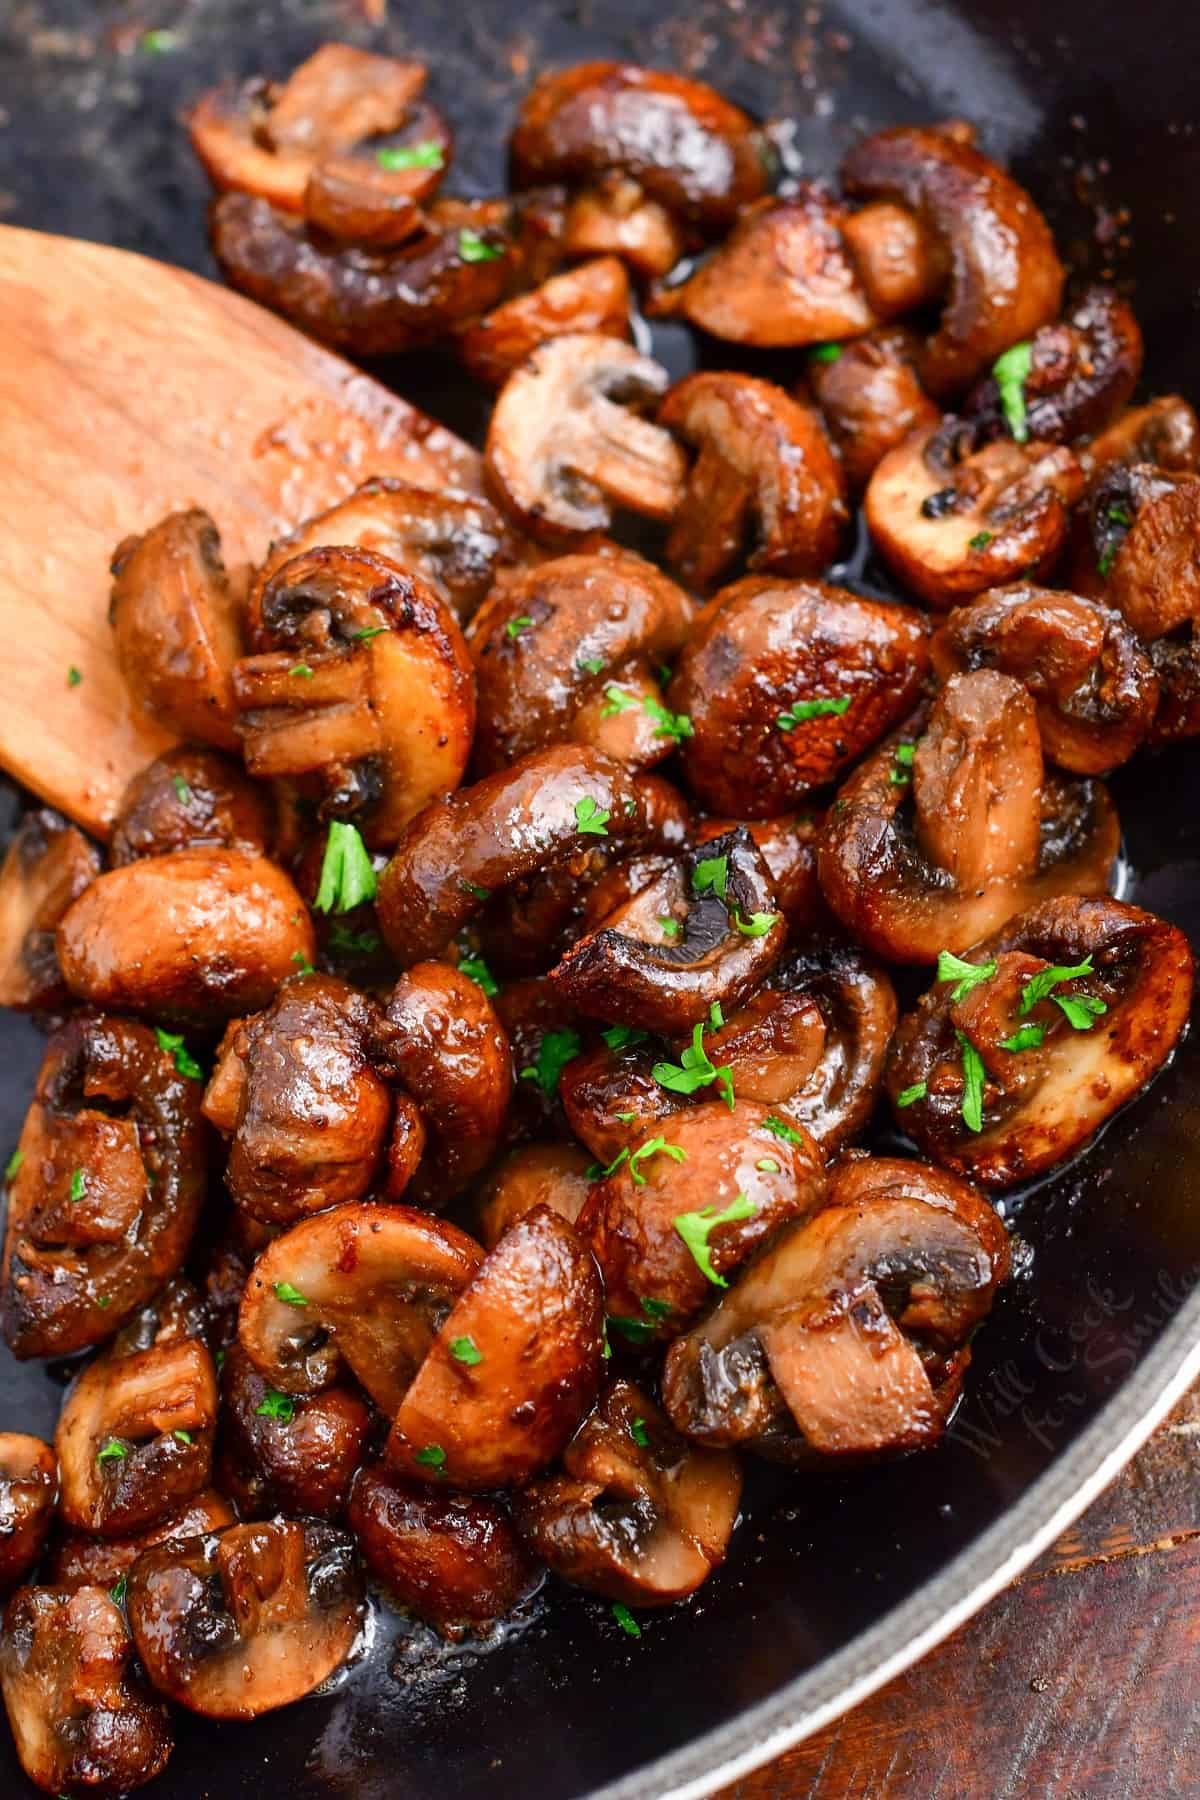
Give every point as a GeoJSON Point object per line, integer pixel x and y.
{"type": "Point", "coordinates": [189, 798]}
{"type": "Point", "coordinates": [107, 1190]}
{"type": "Point", "coordinates": [550, 1175]}
{"type": "Point", "coordinates": [783, 276]}
{"type": "Point", "coordinates": [364, 684]}
{"type": "Point", "coordinates": [282, 1453]}
{"type": "Point", "coordinates": [198, 934]}
{"type": "Point", "coordinates": [514, 1367]}
{"type": "Point", "coordinates": [1165, 431]}
{"type": "Point", "coordinates": [684, 145]}
{"type": "Point", "coordinates": [550, 645]}
{"type": "Point", "coordinates": [1095, 688]}
{"type": "Point", "coordinates": [1155, 571]}
{"type": "Point", "coordinates": [80, 1560]}
{"type": "Point", "coordinates": [372, 302]}
{"type": "Point", "coordinates": [638, 1515]}
{"type": "Point", "coordinates": [848, 1337]}
{"type": "Point", "coordinates": [1082, 370]}
{"type": "Point", "coordinates": [688, 1206]}
{"type": "Point", "coordinates": [460, 851]}
{"type": "Point", "coordinates": [176, 629]}
{"type": "Point", "coordinates": [668, 981]}
{"type": "Point", "coordinates": [28, 1494]}
{"type": "Point", "coordinates": [593, 297]}
{"type": "Point", "coordinates": [614, 218]}
{"type": "Point", "coordinates": [46, 866]}
{"type": "Point", "coordinates": [870, 397]}
{"type": "Point", "coordinates": [565, 444]}
{"type": "Point", "coordinates": [81, 1715]}
{"type": "Point", "coordinates": [762, 458]}
{"type": "Point", "coordinates": [454, 1560]}
{"type": "Point", "coordinates": [310, 1112]}
{"type": "Point", "coordinates": [363, 1285]}
{"type": "Point", "coordinates": [373, 196]}
{"type": "Point", "coordinates": [454, 541]}
{"type": "Point", "coordinates": [987, 834]}
{"type": "Point", "coordinates": [239, 1622]}
{"type": "Point", "coordinates": [1005, 277]}
{"type": "Point", "coordinates": [135, 1436]}
{"type": "Point", "coordinates": [951, 519]}
{"type": "Point", "coordinates": [441, 1038]}
{"type": "Point", "coordinates": [786, 682]}
{"type": "Point", "coordinates": [1048, 1063]}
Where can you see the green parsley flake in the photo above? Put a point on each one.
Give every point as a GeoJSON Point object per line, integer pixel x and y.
{"type": "Point", "coordinates": [368, 632]}
{"type": "Point", "coordinates": [1039, 986]}
{"type": "Point", "coordinates": [639, 1434]}
{"type": "Point", "coordinates": [1082, 1010]}
{"type": "Point", "coordinates": [757, 925]}
{"type": "Point", "coordinates": [804, 710]}
{"type": "Point", "coordinates": [972, 1097]}
{"type": "Point", "coordinates": [621, 1037]}
{"type": "Point", "coordinates": [694, 1229]}
{"type": "Point", "coordinates": [555, 1051]}
{"type": "Point", "coordinates": [900, 774]}
{"type": "Point", "coordinates": [354, 943]}
{"type": "Point", "coordinates": [670, 928]}
{"type": "Point", "coordinates": [182, 789]}
{"type": "Point", "coordinates": [476, 970]}
{"type": "Point", "coordinates": [432, 1457]}
{"type": "Point", "coordinates": [767, 1165]}
{"type": "Point", "coordinates": [425, 155]}
{"type": "Point", "coordinates": [302, 671]}
{"type": "Point", "coordinates": [676, 726]}
{"type": "Point", "coordinates": [589, 817]}
{"type": "Point", "coordinates": [825, 353]}
{"type": "Point", "coordinates": [117, 1594]}
{"type": "Point", "coordinates": [695, 1070]}
{"type": "Point", "coordinates": [104, 1301]}
{"type": "Point", "coordinates": [112, 1452]}
{"type": "Point", "coordinates": [981, 540]}
{"type": "Point", "coordinates": [778, 1128]}
{"type": "Point", "coordinates": [515, 627]}
{"type": "Point", "coordinates": [635, 1331]}
{"type": "Point", "coordinates": [466, 1350]}
{"type": "Point", "coordinates": [73, 676]}
{"type": "Point", "coordinates": [965, 975]}
{"type": "Point", "coordinates": [1028, 1037]}
{"type": "Point", "coordinates": [289, 1295]}
{"type": "Point", "coordinates": [172, 1042]}
{"type": "Point", "coordinates": [590, 665]}
{"type": "Point", "coordinates": [184, 1437]}
{"type": "Point", "coordinates": [716, 1018]}
{"type": "Point", "coordinates": [158, 43]}
{"type": "Point", "coordinates": [1012, 372]}
{"type": "Point", "coordinates": [910, 1095]}
{"type": "Point", "coordinates": [77, 1185]}
{"type": "Point", "coordinates": [347, 877]}
{"type": "Point", "coordinates": [13, 1164]}
{"type": "Point", "coordinates": [277, 1406]}
{"type": "Point", "coordinates": [303, 966]}
{"type": "Point", "coordinates": [711, 876]}
{"type": "Point", "coordinates": [625, 1619]}
{"type": "Point", "coordinates": [627, 1118]}
{"type": "Point", "coordinates": [656, 1146]}
{"type": "Point", "coordinates": [617, 700]}
{"type": "Point", "coordinates": [475, 249]}
{"type": "Point", "coordinates": [477, 893]}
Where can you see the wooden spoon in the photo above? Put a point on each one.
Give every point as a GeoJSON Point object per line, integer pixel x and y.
{"type": "Point", "coordinates": [128, 390]}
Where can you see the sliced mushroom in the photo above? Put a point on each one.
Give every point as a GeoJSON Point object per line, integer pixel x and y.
{"type": "Point", "coordinates": [732, 932]}
{"type": "Point", "coordinates": [454, 1560]}
{"type": "Point", "coordinates": [680, 1212]}
{"type": "Point", "coordinates": [440, 1037]}
{"type": "Point", "coordinates": [363, 684]}
{"type": "Point", "coordinates": [454, 541]}
{"type": "Point", "coordinates": [283, 1453]}
{"type": "Point", "coordinates": [551, 1175]}
{"type": "Point", "coordinates": [849, 1336]}
{"type": "Point", "coordinates": [189, 799]}
{"type": "Point", "coordinates": [199, 935]}
{"type": "Point", "coordinates": [870, 397]}
{"type": "Point", "coordinates": [788, 846]}
{"type": "Point", "coordinates": [81, 1715]}
{"type": "Point", "coordinates": [1005, 276]}
{"type": "Point", "coordinates": [613, 217]}
{"type": "Point", "coordinates": [81, 1560]}
{"type": "Point", "coordinates": [638, 1514]}
{"type": "Point", "coordinates": [239, 1622]}
{"type": "Point", "coordinates": [46, 866]}
{"type": "Point", "coordinates": [176, 627]}
{"type": "Point", "coordinates": [989, 831]}
{"type": "Point", "coordinates": [1095, 688]}
{"type": "Point", "coordinates": [566, 445]}
{"type": "Point", "coordinates": [28, 1495]}
{"type": "Point", "coordinates": [1082, 370]}
{"type": "Point", "coordinates": [785, 683]}
{"type": "Point", "coordinates": [900, 262]}
{"type": "Point", "coordinates": [108, 1187]}
{"type": "Point", "coordinates": [761, 457]}
{"type": "Point", "coordinates": [459, 852]}
{"type": "Point", "coordinates": [951, 519]}
{"type": "Point", "coordinates": [1165, 431]}
{"type": "Point", "coordinates": [686, 146]}
{"type": "Point", "coordinates": [373, 302]}
{"type": "Point", "coordinates": [310, 1112]}
{"type": "Point", "coordinates": [594, 297]}
{"type": "Point", "coordinates": [611, 1099]}
{"type": "Point", "coordinates": [1048, 1064]}
{"type": "Point", "coordinates": [568, 651]}
{"type": "Point", "coordinates": [514, 1367]}
{"type": "Point", "coordinates": [364, 1285]}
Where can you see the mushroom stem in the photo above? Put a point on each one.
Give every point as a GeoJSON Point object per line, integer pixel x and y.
{"type": "Point", "coordinates": [977, 781]}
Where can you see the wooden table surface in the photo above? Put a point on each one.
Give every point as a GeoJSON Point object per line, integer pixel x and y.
{"type": "Point", "coordinates": [1080, 1682]}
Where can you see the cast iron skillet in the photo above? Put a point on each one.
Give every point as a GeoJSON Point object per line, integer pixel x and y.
{"type": "Point", "coordinates": [840, 1581]}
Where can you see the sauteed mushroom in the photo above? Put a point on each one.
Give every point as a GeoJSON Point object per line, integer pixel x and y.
{"type": "Point", "coordinates": [593, 298]}
{"type": "Point", "coordinates": [28, 1493]}
{"type": "Point", "coordinates": [453, 1559]}
{"type": "Point", "coordinates": [989, 831]}
{"type": "Point", "coordinates": [614, 218]}
{"type": "Point", "coordinates": [1069, 1011]}
{"type": "Point", "coordinates": [189, 799]}
{"type": "Point", "coordinates": [363, 683]}
{"type": "Point", "coordinates": [951, 519]}
{"type": "Point", "coordinates": [787, 682]}
{"type": "Point", "coordinates": [638, 1514]}
{"type": "Point", "coordinates": [1095, 688]}
{"type": "Point", "coordinates": [514, 1367]}
{"type": "Point", "coordinates": [1082, 370]}
{"type": "Point", "coordinates": [46, 866]}
{"type": "Point", "coordinates": [762, 456]}
{"type": "Point", "coordinates": [239, 1622]}
{"type": "Point", "coordinates": [176, 627]}
{"type": "Point", "coordinates": [365, 1285]}
{"type": "Point", "coordinates": [870, 397]}
{"type": "Point", "coordinates": [849, 1336]}
{"type": "Point", "coordinates": [565, 444]}
{"type": "Point", "coordinates": [285, 1453]}
{"type": "Point", "coordinates": [81, 1715]}
{"type": "Point", "coordinates": [106, 1187]}
{"type": "Point", "coordinates": [81, 1560]}
{"type": "Point", "coordinates": [553, 1175]}
{"type": "Point", "coordinates": [1165, 431]}
{"type": "Point", "coordinates": [198, 935]}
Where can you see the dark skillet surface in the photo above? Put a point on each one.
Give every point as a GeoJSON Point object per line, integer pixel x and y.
{"type": "Point", "coordinates": [91, 148]}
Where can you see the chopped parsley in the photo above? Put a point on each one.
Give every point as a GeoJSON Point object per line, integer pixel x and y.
{"type": "Point", "coordinates": [804, 710]}
{"type": "Point", "coordinates": [475, 249]}
{"type": "Point", "coordinates": [716, 1018]}
{"type": "Point", "coordinates": [77, 1185]}
{"type": "Point", "coordinates": [185, 1063]}
{"type": "Point", "coordinates": [711, 876]}
{"type": "Point", "coordinates": [13, 1164]}
{"type": "Point", "coordinates": [601, 1171]}
{"type": "Point", "coordinates": [670, 928]}
{"type": "Point", "coordinates": [302, 671]}
{"type": "Point", "coordinates": [277, 1406]}
{"type": "Point", "coordinates": [617, 700]}
{"type": "Point", "coordinates": [668, 724]}
{"type": "Point", "coordinates": [778, 1128]}
{"type": "Point", "coordinates": [767, 1165]}
{"type": "Point", "coordinates": [367, 632]}
{"type": "Point", "coordinates": [635, 1331]}
{"type": "Point", "coordinates": [303, 966]}
{"type": "Point", "coordinates": [354, 943]}
{"type": "Point", "coordinates": [515, 627]}
{"type": "Point", "coordinates": [432, 1457]}
{"type": "Point", "coordinates": [290, 1295]}
{"type": "Point", "coordinates": [695, 1070]}
{"type": "Point", "coordinates": [111, 1452]}
{"type": "Point", "coordinates": [972, 1095]}
{"type": "Point", "coordinates": [1081, 1010]}
{"type": "Point", "coordinates": [621, 1037]}
{"type": "Point", "coordinates": [910, 1095]}
{"type": "Point", "coordinates": [347, 877]}
{"type": "Point", "coordinates": [466, 1350]}
{"type": "Point", "coordinates": [1028, 1037]}
{"type": "Point", "coordinates": [425, 155]}
{"type": "Point", "coordinates": [477, 893]}
{"type": "Point", "coordinates": [476, 970]}
{"type": "Point", "coordinates": [639, 1434]}
{"type": "Point", "coordinates": [964, 975]}
{"type": "Point", "coordinates": [117, 1593]}
{"type": "Point", "coordinates": [182, 789]}
{"type": "Point", "coordinates": [73, 676]}
{"type": "Point", "coordinates": [1039, 986]}
{"type": "Point", "coordinates": [625, 1619]}
{"type": "Point", "coordinates": [627, 1118]}
{"type": "Point", "coordinates": [1012, 372]}
{"type": "Point", "coordinates": [159, 42]}
{"type": "Point", "coordinates": [900, 773]}
{"type": "Point", "coordinates": [981, 540]}
{"type": "Point", "coordinates": [555, 1051]}
{"type": "Point", "coordinates": [825, 353]}
{"type": "Point", "coordinates": [590, 817]}
{"type": "Point", "coordinates": [694, 1229]}
{"type": "Point", "coordinates": [757, 925]}
{"type": "Point", "coordinates": [590, 665]}
{"type": "Point", "coordinates": [656, 1146]}
{"type": "Point", "coordinates": [184, 1437]}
